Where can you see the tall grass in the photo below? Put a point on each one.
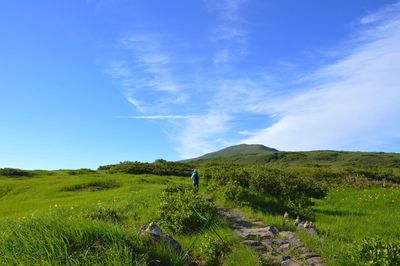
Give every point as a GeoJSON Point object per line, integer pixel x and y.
{"type": "Point", "coordinates": [349, 215]}
{"type": "Point", "coordinates": [59, 240]}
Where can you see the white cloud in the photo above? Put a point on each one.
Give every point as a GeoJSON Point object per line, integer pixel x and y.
{"type": "Point", "coordinates": [354, 104]}
{"type": "Point", "coordinates": [382, 14]}
{"type": "Point", "coordinates": [159, 117]}
{"type": "Point", "coordinates": [197, 135]}
{"type": "Point", "coordinates": [147, 74]}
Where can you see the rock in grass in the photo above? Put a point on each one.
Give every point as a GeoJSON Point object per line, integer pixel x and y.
{"type": "Point", "coordinates": [290, 262]}
{"type": "Point", "coordinates": [157, 234]}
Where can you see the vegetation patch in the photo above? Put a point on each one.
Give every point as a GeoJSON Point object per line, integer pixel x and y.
{"type": "Point", "coordinates": [376, 251]}
{"type": "Point", "coordinates": [159, 167]}
{"type": "Point", "coordinates": [240, 184]}
{"type": "Point", "coordinates": [183, 210]}
{"type": "Point", "coordinates": [93, 186]}
{"type": "Point", "coordinates": [13, 172]}
{"type": "Point", "coordinates": [5, 189]}
{"type": "Point", "coordinates": [81, 171]}
{"type": "Point", "coordinates": [62, 241]}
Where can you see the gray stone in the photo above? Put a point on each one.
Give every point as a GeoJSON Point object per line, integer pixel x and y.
{"type": "Point", "coordinates": [250, 242]}
{"type": "Point", "coordinates": [258, 248]}
{"type": "Point", "coordinates": [287, 234]}
{"type": "Point", "coordinates": [266, 242]}
{"type": "Point", "coordinates": [308, 255]}
{"type": "Point", "coordinates": [290, 262]}
{"type": "Point", "coordinates": [157, 234]}
{"type": "Point", "coordinates": [254, 232]}
{"type": "Point", "coordinates": [303, 250]}
{"type": "Point", "coordinates": [295, 242]}
{"type": "Point", "coordinates": [278, 241]}
{"type": "Point", "coordinates": [285, 248]}
{"type": "Point", "coordinates": [314, 261]}
{"type": "Point", "coordinates": [260, 224]}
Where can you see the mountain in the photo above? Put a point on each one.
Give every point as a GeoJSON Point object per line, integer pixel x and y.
{"type": "Point", "coordinates": [260, 154]}
{"type": "Point", "coordinates": [230, 153]}
{"type": "Point", "coordinates": [242, 149]}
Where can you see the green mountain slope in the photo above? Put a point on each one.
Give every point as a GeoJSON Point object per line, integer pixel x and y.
{"type": "Point", "coordinates": [256, 154]}
{"type": "Point", "coordinates": [242, 149]}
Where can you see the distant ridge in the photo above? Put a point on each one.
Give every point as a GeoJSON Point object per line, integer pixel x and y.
{"type": "Point", "coordinates": [260, 154]}
{"type": "Point", "coordinates": [236, 150]}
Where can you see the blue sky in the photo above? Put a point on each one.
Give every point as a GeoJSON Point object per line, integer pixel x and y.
{"type": "Point", "coordinates": [86, 83]}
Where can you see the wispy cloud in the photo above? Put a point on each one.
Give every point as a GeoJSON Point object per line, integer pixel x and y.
{"type": "Point", "coordinates": [199, 135]}
{"type": "Point", "coordinates": [382, 14]}
{"type": "Point", "coordinates": [159, 117]}
{"type": "Point", "coordinates": [147, 74]}
{"type": "Point", "coordinates": [353, 103]}
{"type": "Point", "coordinates": [229, 29]}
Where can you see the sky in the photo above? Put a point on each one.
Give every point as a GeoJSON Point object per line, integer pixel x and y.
{"type": "Point", "coordinates": [85, 83]}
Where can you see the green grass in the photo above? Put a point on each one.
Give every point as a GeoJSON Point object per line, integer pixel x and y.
{"type": "Point", "coordinates": [348, 215]}
{"type": "Point", "coordinates": [84, 217]}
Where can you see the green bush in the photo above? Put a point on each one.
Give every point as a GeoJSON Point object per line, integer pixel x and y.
{"type": "Point", "coordinates": [294, 192]}
{"type": "Point", "coordinates": [181, 208]}
{"type": "Point", "coordinates": [211, 249]}
{"type": "Point", "coordinates": [13, 172]}
{"type": "Point", "coordinates": [377, 252]}
{"type": "Point", "coordinates": [159, 167]}
{"type": "Point", "coordinates": [93, 186]}
{"type": "Point", "coordinates": [233, 191]}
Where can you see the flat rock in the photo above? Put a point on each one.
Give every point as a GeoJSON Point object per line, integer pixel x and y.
{"type": "Point", "coordinates": [250, 242]}
{"type": "Point", "coordinates": [260, 224]}
{"type": "Point", "coordinates": [266, 242]}
{"type": "Point", "coordinates": [254, 232]}
{"type": "Point", "coordinates": [258, 248]}
{"type": "Point", "coordinates": [303, 250]}
{"type": "Point", "coordinates": [295, 242]}
{"type": "Point", "coordinates": [314, 261]}
{"type": "Point", "coordinates": [290, 262]}
{"type": "Point", "coordinates": [308, 255]}
{"type": "Point", "coordinates": [287, 234]}
{"type": "Point", "coordinates": [285, 248]}
{"type": "Point", "coordinates": [278, 241]}
{"type": "Point", "coordinates": [157, 234]}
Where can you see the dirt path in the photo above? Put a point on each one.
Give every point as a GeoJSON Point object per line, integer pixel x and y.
{"type": "Point", "coordinates": [281, 248]}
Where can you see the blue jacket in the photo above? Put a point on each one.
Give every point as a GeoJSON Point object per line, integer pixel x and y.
{"type": "Point", "coordinates": [195, 176]}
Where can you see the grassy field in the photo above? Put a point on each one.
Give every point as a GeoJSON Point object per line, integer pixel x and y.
{"type": "Point", "coordinates": [73, 217]}
{"type": "Point", "coordinates": [95, 217]}
{"type": "Point", "coordinates": [348, 215]}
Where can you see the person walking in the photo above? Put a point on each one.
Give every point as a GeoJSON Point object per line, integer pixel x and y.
{"type": "Point", "coordinates": [195, 178]}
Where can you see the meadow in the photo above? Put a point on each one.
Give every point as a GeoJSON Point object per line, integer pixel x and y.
{"type": "Point", "coordinates": [82, 217]}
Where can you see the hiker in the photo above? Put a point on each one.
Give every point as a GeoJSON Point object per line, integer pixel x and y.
{"type": "Point", "coordinates": [195, 178]}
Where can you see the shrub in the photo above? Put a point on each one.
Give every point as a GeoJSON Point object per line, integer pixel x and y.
{"type": "Point", "coordinates": [233, 191]}
{"type": "Point", "coordinates": [375, 251]}
{"type": "Point", "coordinates": [159, 167]}
{"type": "Point", "coordinates": [181, 207]}
{"type": "Point", "coordinates": [93, 186]}
{"type": "Point", "coordinates": [211, 249]}
{"type": "Point", "coordinates": [80, 171]}
{"type": "Point", "coordinates": [12, 172]}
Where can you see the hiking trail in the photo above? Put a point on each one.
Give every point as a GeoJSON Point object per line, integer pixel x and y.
{"type": "Point", "coordinates": [281, 248]}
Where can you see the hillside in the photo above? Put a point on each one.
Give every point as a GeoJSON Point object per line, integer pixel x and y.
{"type": "Point", "coordinates": [259, 154]}
{"type": "Point", "coordinates": [241, 149]}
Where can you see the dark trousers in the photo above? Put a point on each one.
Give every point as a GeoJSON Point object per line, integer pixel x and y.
{"type": "Point", "coordinates": [196, 184]}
